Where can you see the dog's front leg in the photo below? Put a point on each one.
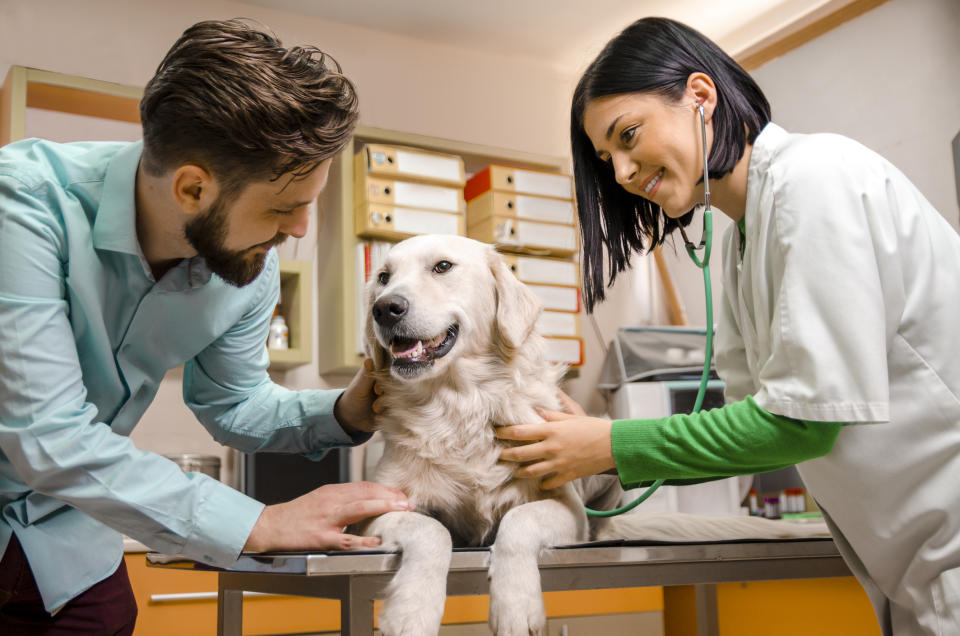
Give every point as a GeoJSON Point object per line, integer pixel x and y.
{"type": "Point", "coordinates": [516, 601]}
{"type": "Point", "coordinates": [416, 594]}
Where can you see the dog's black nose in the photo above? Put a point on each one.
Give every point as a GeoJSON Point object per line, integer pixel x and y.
{"type": "Point", "coordinates": [389, 310]}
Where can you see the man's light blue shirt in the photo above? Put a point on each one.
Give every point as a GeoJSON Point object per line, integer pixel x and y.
{"type": "Point", "coordinates": [86, 335]}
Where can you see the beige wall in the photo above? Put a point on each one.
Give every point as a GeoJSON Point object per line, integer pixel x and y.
{"type": "Point", "coordinates": [887, 79]}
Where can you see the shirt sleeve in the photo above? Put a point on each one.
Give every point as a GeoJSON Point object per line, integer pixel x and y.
{"type": "Point", "coordinates": [737, 439]}
{"type": "Point", "coordinates": [54, 438]}
{"type": "Point", "coordinates": [826, 270]}
{"type": "Point", "coordinates": [229, 390]}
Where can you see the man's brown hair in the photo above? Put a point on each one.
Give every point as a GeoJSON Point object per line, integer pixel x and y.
{"type": "Point", "coordinates": [230, 98]}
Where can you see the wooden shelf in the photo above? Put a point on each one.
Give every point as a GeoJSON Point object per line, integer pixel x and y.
{"type": "Point", "coordinates": [32, 88]}
{"type": "Point", "coordinates": [296, 304]}
{"type": "Point", "coordinates": [337, 241]}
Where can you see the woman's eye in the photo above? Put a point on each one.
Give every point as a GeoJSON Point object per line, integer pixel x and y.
{"type": "Point", "coordinates": [383, 278]}
{"type": "Point", "coordinates": [627, 135]}
{"type": "Point", "coordinates": [442, 266]}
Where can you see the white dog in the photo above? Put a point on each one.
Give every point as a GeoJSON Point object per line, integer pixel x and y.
{"type": "Point", "coordinates": [451, 331]}
{"type": "Point", "coordinates": [452, 334]}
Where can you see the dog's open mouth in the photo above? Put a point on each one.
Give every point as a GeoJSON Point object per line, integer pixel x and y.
{"type": "Point", "coordinates": [411, 355]}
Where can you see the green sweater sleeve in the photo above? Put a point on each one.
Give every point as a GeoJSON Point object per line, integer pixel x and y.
{"type": "Point", "coordinates": [737, 439]}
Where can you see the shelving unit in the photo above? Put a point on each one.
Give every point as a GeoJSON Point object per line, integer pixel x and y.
{"type": "Point", "coordinates": [296, 302]}
{"type": "Point", "coordinates": [32, 88]}
{"type": "Point", "coordinates": [337, 242]}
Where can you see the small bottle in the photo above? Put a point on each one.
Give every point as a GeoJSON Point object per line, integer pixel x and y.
{"type": "Point", "coordinates": [771, 507]}
{"type": "Point", "coordinates": [799, 501]}
{"type": "Point", "coordinates": [279, 337]}
{"type": "Point", "coordinates": [754, 506]}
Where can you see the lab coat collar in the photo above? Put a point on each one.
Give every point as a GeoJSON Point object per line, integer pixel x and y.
{"type": "Point", "coordinates": [765, 147]}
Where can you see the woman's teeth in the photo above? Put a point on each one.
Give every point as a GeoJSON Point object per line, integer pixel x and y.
{"type": "Point", "coordinates": [653, 182]}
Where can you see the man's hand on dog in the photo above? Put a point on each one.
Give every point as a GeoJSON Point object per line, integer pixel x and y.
{"type": "Point", "coordinates": [563, 447]}
{"type": "Point", "coordinates": [355, 407]}
{"type": "Point", "coordinates": [316, 520]}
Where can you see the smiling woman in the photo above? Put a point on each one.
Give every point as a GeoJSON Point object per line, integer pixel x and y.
{"type": "Point", "coordinates": [837, 313]}
{"type": "Point", "coordinates": [662, 82]}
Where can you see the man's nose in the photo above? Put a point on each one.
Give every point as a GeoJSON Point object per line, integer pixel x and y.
{"type": "Point", "coordinates": [296, 223]}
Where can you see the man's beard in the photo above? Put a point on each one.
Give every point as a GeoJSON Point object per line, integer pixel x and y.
{"type": "Point", "coordinates": [207, 234]}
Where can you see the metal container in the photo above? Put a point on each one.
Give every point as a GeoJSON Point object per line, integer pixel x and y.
{"type": "Point", "coordinates": [197, 463]}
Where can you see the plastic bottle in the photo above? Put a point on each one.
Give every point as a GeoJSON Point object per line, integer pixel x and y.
{"type": "Point", "coordinates": [754, 506]}
{"type": "Point", "coordinates": [771, 507]}
{"type": "Point", "coordinates": [279, 337]}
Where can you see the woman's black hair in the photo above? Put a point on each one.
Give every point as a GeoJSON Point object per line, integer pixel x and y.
{"type": "Point", "coordinates": [652, 55]}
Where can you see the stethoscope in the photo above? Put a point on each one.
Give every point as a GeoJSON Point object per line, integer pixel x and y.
{"type": "Point", "coordinates": [706, 242]}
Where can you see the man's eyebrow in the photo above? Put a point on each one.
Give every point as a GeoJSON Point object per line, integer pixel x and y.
{"type": "Point", "coordinates": [294, 205]}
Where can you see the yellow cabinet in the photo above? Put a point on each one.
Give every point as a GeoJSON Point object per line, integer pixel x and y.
{"type": "Point", "coordinates": [801, 607]}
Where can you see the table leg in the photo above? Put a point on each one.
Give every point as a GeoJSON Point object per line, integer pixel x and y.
{"type": "Point", "coordinates": [229, 610]}
{"type": "Point", "coordinates": [356, 608]}
{"type": "Point", "coordinates": [706, 602]}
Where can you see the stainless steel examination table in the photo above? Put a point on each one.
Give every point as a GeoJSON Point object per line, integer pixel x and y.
{"type": "Point", "coordinates": [357, 578]}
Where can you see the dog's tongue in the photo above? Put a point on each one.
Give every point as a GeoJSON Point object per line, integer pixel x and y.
{"type": "Point", "coordinates": [415, 348]}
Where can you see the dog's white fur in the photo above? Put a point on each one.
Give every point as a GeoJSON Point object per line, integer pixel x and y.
{"type": "Point", "coordinates": [439, 443]}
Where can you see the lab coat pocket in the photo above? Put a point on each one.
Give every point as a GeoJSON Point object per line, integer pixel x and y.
{"type": "Point", "coordinates": [946, 601]}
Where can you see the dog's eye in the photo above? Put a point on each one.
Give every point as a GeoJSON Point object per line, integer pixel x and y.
{"type": "Point", "coordinates": [442, 266]}
{"type": "Point", "coordinates": [383, 278]}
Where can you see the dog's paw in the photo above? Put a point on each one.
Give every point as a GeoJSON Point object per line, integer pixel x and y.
{"type": "Point", "coordinates": [409, 617]}
{"type": "Point", "coordinates": [517, 614]}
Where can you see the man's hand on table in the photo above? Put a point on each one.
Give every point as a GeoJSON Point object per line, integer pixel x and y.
{"type": "Point", "coordinates": [316, 520]}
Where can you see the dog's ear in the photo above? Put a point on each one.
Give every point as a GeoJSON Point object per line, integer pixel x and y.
{"type": "Point", "coordinates": [371, 346]}
{"type": "Point", "coordinates": [517, 308]}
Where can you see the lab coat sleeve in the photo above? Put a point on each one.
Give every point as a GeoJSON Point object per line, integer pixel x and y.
{"type": "Point", "coordinates": [229, 390]}
{"type": "Point", "coordinates": [53, 437]}
{"type": "Point", "coordinates": [828, 357]}
{"type": "Point", "coordinates": [730, 357]}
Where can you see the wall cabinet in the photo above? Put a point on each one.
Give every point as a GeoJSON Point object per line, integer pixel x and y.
{"type": "Point", "coordinates": [26, 88]}
{"type": "Point", "coordinates": [296, 306]}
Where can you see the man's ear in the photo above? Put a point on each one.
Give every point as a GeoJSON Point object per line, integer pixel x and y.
{"type": "Point", "coordinates": [517, 308]}
{"type": "Point", "coordinates": [194, 189]}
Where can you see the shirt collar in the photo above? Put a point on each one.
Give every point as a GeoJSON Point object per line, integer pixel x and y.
{"type": "Point", "coordinates": [115, 227]}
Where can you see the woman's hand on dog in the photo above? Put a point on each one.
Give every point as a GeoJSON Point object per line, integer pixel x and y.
{"type": "Point", "coordinates": [356, 406]}
{"type": "Point", "coordinates": [563, 447]}
{"type": "Point", "coordinates": [315, 521]}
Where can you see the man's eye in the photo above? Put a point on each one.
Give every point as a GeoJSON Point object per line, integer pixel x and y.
{"type": "Point", "coordinates": [283, 212]}
{"type": "Point", "coordinates": [383, 278]}
{"type": "Point", "coordinates": [442, 266]}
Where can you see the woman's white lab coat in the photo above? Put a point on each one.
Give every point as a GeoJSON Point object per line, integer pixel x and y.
{"type": "Point", "coordinates": [845, 308]}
